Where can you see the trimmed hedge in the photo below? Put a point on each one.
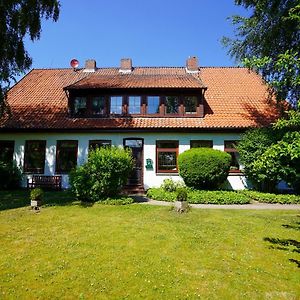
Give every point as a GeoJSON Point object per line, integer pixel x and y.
{"type": "Point", "coordinates": [204, 168]}
{"type": "Point", "coordinates": [272, 198]}
{"type": "Point", "coordinates": [200, 196]}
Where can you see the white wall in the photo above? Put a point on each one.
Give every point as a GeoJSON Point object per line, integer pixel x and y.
{"type": "Point", "coordinates": [150, 177]}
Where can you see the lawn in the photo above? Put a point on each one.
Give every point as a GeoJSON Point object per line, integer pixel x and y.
{"type": "Point", "coordinates": [71, 251]}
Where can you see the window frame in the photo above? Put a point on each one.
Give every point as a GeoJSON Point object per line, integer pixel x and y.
{"type": "Point", "coordinates": [202, 141]}
{"type": "Point", "coordinates": [161, 150]}
{"type": "Point", "coordinates": [91, 142]}
{"type": "Point", "coordinates": [233, 151]}
{"type": "Point", "coordinates": [28, 152]}
{"type": "Point", "coordinates": [58, 169]}
{"type": "Point", "coordinates": [140, 106]}
{"type": "Point", "coordinates": [122, 105]}
{"type": "Point", "coordinates": [147, 105]}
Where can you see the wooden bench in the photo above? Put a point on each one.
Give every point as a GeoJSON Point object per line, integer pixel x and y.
{"type": "Point", "coordinates": [45, 182]}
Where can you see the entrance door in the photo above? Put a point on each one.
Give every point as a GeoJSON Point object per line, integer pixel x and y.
{"type": "Point", "coordinates": [136, 146]}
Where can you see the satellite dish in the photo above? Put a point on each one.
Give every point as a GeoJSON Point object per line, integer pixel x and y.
{"type": "Point", "coordinates": [74, 63]}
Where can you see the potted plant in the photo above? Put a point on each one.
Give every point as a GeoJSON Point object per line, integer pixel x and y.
{"type": "Point", "coordinates": [181, 204]}
{"type": "Point", "coordinates": [36, 197]}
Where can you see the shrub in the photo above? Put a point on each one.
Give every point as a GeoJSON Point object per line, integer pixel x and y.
{"type": "Point", "coordinates": [272, 198]}
{"type": "Point", "coordinates": [36, 194]}
{"type": "Point", "coordinates": [181, 194]}
{"type": "Point", "coordinates": [121, 200]}
{"type": "Point", "coordinates": [103, 175]}
{"type": "Point", "coordinates": [160, 194]}
{"type": "Point", "coordinates": [10, 175]}
{"type": "Point", "coordinates": [204, 168]}
{"type": "Point", "coordinates": [169, 185]}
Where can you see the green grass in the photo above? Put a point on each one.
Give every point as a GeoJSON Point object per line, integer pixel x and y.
{"type": "Point", "coordinates": [70, 251]}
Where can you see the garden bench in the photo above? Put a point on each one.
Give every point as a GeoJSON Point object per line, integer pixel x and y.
{"type": "Point", "coordinates": [45, 182]}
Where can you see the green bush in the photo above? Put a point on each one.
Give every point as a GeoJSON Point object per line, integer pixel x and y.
{"type": "Point", "coordinates": [204, 168]}
{"type": "Point", "coordinates": [181, 194]}
{"type": "Point", "coordinates": [169, 185]}
{"type": "Point", "coordinates": [36, 194]}
{"type": "Point", "coordinates": [200, 196]}
{"type": "Point", "coordinates": [103, 175]}
{"type": "Point", "coordinates": [10, 175]}
{"type": "Point", "coordinates": [272, 198]}
{"type": "Point", "coordinates": [121, 200]}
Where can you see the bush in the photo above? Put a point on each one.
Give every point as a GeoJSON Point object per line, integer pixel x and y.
{"type": "Point", "coordinates": [181, 194]}
{"type": "Point", "coordinates": [200, 196]}
{"type": "Point", "coordinates": [10, 175]}
{"type": "Point", "coordinates": [272, 198]}
{"type": "Point", "coordinates": [103, 175]}
{"type": "Point", "coordinates": [204, 168]}
{"type": "Point", "coordinates": [36, 194]}
{"type": "Point", "coordinates": [121, 200]}
{"type": "Point", "coordinates": [169, 185]}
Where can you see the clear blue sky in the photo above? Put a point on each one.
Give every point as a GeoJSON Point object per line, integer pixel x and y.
{"type": "Point", "coordinates": [152, 33]}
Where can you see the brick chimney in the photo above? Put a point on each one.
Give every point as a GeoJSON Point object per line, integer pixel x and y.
{"type": "Point", "coordinates": [192, 64]}
{"type": "Point", "coordinates": [90, 66]}
{"type": "Point", "coordinates": [126, 65]}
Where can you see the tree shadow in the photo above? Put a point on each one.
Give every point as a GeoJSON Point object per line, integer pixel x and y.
{"type": "Point", "coordinates": [290, 245]}
{"type": "Point", "coordinates": [21, 198]}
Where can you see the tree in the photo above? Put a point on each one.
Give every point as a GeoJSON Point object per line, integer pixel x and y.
{"type": "Point", "coordinates": [269, 42]}
{"type": "Point", "coordinates": [19, 18]}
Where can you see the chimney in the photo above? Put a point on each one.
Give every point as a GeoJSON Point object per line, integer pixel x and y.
{"type": "Point", "coordinates": [90, 65]}
{"type": "Point", "coordinates": [192, 64]}
{"type": "Point", "coordinates": [126, 65]}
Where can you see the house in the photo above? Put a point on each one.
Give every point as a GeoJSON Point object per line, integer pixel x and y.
{"type": "Point", "coordinates": [56, 115]}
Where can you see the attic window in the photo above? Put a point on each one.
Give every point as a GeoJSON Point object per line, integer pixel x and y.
{"type": "Point", "coordinates": [172, 105]}
{"type": "Point", "coordinates": [190, 104]}
{"type": "Point", "coordinates": [116, 105]}
{"type": "Point", "coordinates": [98, 105]}
{"type": "Point", "coordinates": [80, 106]}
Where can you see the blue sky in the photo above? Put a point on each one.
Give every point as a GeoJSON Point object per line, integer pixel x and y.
{"type": "Point", "coordinates": [152, 33]}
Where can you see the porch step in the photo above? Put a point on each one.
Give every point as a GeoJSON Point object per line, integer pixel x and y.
{"type": "Point", "coordinates": [133, 190]}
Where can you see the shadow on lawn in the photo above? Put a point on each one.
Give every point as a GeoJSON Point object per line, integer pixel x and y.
{"type": "Point", "coordinates": [20, 198]}
{"type": "Point", "coordinates": [287, 244]}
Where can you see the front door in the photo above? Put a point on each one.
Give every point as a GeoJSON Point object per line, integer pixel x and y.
{"type": "Point", "coordinates": [136, 146]}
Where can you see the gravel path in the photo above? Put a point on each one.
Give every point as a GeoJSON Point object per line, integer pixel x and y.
{"type": "Point", "coordinates": [145, 200]}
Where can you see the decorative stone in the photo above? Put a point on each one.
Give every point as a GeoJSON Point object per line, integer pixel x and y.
{"type": "Point", "coordinates": [181, 206]}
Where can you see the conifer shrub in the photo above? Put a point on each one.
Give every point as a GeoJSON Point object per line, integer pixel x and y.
{"type": "Point", "coordinates": [103, 175]}
{"type": "Point", "coordinates": [204, 168]}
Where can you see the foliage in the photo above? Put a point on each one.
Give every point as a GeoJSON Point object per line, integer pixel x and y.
{"type": "Point", "coordinates": [170, 185]}
{"type": "Point", "coordinates": [121, 200]}
{"type": "Point", "coordinates": [200, 196]}
{"type": "Point", "coordinates": [272, 198]}
{"type": "Point", "coordinates": [18, 19]}
{"type": "Point", "coordinates": [252, 145]}
{"type": "Point", "coordinates": [10, 175]}
{"type": "Point", "coordinates": [204, 168]}
{"type": "Point", "coordinates": [269, 42]}
{"type": "Point", "coordinates": [36, 194]}
{"type": "Point", "coordinates": [291, 122]}
{"type": "Point", "coordinates": [281, 161]}
{"type": "Point", "coordinates": [103, 175]}
{"type": "Point", "coordinates": [181, 194]}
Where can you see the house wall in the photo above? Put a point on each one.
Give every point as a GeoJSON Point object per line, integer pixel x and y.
{"type": "Point", "coordinates": [151, 179]}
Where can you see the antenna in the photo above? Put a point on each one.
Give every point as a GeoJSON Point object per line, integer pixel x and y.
{"type": "Point", "coordinates": [74, 63]}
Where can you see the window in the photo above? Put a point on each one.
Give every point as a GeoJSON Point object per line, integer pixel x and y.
{"type": "Point", "coordinates": [34, 157]}
{"type": "Point", "coordinates": [80, 106]}
{"type": "Point", "coordinates": [94, 144]}
{"type": "Point", "coordinates": [116, 105]}
{"type": "Point", "coordinates": [134, 105]}
{"type": "Point", "coordinates": [7, 151]}
{"type": "Point", "coordinates": [66, 156]}
{"type": "Point", "coordinates": [98, 105]}
{"type": "Point", "coordinates": [153, 104]}
{"type": "Point", "coordinates": [190, 104]}
{"type": "Point", "coordinates": [166, 156]}
{"type": "Point", "coordinates": [230, 147]}
{"type": "Point", "coordinates": [171, 105]}
{"type": "Point", "coordinates": [201, 144]}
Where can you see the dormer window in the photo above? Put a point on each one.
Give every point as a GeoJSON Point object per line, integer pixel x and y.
{"type": "Point", "coordinates": [134, 105]}
{"type": "Point", "coordinates": [116, 105]}
{"type": "Point", "coordinates": [80, 106]}
{"type": "Point", "coordinates": [153, 104]}
{"type": "Point", "coordinates": [172, 105]}
{"type": "Point", "coordinates": [190, 104]}
{"type": "Point", "coordinates": [98, 106]}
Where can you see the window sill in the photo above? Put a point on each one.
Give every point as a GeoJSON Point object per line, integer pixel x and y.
{"type": "Point", "coordinates": [167, 174]}
{"type": "Point", "coordinates": [236, 173]}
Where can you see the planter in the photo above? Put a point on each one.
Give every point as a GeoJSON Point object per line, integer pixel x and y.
{"type": "Point", "coordinates": [181, 206]}
{"type": "Point", "coordinates": [35, 204]}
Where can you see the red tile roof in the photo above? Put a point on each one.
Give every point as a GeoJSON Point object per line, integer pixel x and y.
{"type": "Point", "coordinates": [235, 98]}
